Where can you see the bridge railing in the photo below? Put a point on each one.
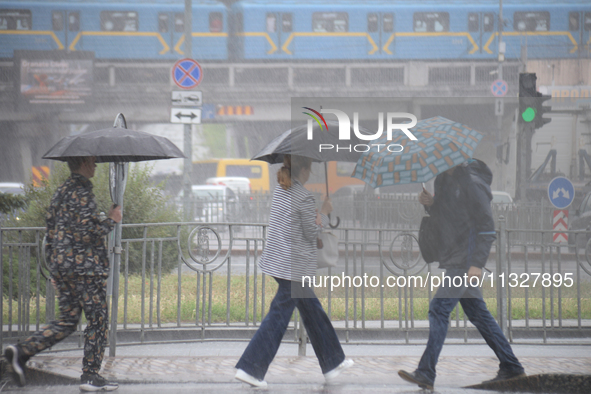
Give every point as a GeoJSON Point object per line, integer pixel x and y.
{"type": "Point", "coordinates": [200, 281]}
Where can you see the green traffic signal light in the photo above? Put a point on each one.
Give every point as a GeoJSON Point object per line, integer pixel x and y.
{"type": "Point", "coordinates": [529, 114]}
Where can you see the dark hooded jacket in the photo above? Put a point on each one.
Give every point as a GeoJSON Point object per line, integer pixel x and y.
{"type": "Point", "coordinates": [462, 209]}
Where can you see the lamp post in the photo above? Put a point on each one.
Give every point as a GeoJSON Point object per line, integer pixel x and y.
{"type": "Point", "coordinates": [187, 136]}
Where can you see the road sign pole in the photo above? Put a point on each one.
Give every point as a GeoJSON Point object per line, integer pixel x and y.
{"type": "Point", "coordinates": [188, 140]}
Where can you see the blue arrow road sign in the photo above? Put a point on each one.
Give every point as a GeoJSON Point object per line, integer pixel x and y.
{"type": "Point", "coordinates": [561, 192]}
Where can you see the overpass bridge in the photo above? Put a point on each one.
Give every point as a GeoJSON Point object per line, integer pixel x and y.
{"type": "Point", "coordinates": [252, 99]}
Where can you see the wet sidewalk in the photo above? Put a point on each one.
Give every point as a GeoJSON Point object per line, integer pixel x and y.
{"type": "Point", "coordinates": [209, 367]}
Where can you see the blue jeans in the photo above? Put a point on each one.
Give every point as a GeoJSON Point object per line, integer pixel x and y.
{"type": "Point", "coordinates": [264, 345]}
{"type": "Point", "coordinates": [470, 298]}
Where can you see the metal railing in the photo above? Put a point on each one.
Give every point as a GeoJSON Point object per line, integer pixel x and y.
{"type": "Point", "coordinates": [218, 290]}
{"type": "Point", "coordinates": [364, 210]}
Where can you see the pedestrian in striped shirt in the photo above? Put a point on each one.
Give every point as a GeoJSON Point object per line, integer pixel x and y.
{"type": "Point", "coordinates": [290, 253]}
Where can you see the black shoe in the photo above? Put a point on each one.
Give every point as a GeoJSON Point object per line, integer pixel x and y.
{"type": "Point", "coordinates": [15, 361]}
{"type": "Point", "coordinates": [95, 382]}
{"type": "Point", "coordinates": [418, 378]}
{"type": "Point", "coordinates": [505, 375]}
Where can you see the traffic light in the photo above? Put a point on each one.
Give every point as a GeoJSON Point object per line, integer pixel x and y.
{"type": "Point", "coordinates": [541, 110]}
{"type": "Point", "coordinates": [527, 95]}
{"type": "Point", "coordinates": [531, 102]}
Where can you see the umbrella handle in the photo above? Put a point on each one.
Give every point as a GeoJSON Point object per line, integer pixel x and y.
{"type": "Point", "coordinates": [334, 225]}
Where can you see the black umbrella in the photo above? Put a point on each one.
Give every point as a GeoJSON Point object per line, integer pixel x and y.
{"type": "Point", "coordinates": [324, 145]}
{"type": "Point", "coordinates": [117, 145]}
{"type": "Point", "coordinates": [295, 142]}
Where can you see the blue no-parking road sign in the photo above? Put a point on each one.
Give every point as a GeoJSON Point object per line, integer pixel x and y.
{"type": "Point", "coordinates": [187, 73]}
{"type": "Point", "coordinates": [499, 88]}
{"type": "Point", "coordinates": [561, 192]}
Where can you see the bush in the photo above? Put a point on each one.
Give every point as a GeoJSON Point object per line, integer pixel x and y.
{"type": "Point", "coordinates": [142, 203]}
{"type": "Point", "coordinates": [10, 203]}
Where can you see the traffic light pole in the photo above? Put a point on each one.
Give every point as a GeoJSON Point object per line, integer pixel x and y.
{"type": "Point", "coordinates": [526, 131]}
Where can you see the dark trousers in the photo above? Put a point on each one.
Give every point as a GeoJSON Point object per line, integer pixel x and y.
{"type": "Point", "coordinates": [76, 294]}
{"type": "Point", "coordinates": [264, 345]}
{"type": "Point", "coordinates": [440, 308]}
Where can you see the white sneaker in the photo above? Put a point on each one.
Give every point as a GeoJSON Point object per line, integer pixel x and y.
{"type": "Point", "coordinates": [330, 376]}
{"type": "Point", "coordinates": [246, 378]}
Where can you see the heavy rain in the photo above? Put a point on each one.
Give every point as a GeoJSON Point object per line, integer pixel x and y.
{"type": "Point", "coordinates": [356, 181]}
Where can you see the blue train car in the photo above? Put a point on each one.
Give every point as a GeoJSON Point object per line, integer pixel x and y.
{"type": "Point", "coordinates": [379, 30]}
{"type": "Point", "coordinates": [547, 29]}
{"type": "Point", "coordinates": [114, 29]}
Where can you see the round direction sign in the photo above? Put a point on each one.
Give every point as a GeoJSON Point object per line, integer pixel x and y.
{"type": "Point", "coordinates": [561, 192]}
{"type": "Point", "coordinates": [499, 88]}
{"type": "Point", "coordinates": [187, 73]}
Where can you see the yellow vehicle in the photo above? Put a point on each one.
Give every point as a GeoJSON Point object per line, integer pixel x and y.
{"type": "Point", "coordinates": [255, 170]}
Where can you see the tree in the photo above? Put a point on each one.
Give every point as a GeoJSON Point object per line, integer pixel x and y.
{"type": "Point", "coordinates": [142, 203]}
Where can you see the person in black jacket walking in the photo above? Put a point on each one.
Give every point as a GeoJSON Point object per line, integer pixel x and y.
{"type": "Point", "coordinates": [461, 209]}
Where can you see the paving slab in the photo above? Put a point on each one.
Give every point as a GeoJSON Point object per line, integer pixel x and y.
{"type": "Point", "coordinates": [210, 366]}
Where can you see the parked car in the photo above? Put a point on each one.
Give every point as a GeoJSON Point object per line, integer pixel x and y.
{"type": "Point", "coordinates": [256, 171]}
{"type": "Point", "coordinates": [213, 203]}
{"type": "Point", "coordinates": [502, 200]}
{"type": "Point", "coordinates": [352, 193]}
{"type": "Point", "coordinates": [12, 187]}
{"type": "Point", "coordinates": [581, 220]}
{"type": "Point", "coordinates": [238, 184]}
{"type": "Point", "coordinates": [353, 202]}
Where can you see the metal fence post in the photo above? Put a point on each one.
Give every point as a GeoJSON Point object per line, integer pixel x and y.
{"type": "Point", "coordinates": [502, 273]}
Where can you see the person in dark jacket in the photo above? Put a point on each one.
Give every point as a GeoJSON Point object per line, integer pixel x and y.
{"type": "Point", "coordinates": [461, 208]}
{"type": "Point", "coordinates": [79, 266]}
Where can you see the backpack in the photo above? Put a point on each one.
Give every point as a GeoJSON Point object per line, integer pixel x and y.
{"type": "Point", "coordinates": [429, 239]}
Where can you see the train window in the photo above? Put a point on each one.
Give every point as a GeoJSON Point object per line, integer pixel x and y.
{"type": "Point", "coordinates": [15, 19]}
{"type": "Point", "coordinates": [431, 21]}
{"type": "Point", "coordinates": [372, 22]}
{"type": "Point", "coordinates": [286, 23]}
{"type": "Point", "coordinates": [119, 21]}
{"type": "Point", "coordinates": [57, 20]}
{"type": "Point", "coordinates": [162, 22]}
{"type": "Point", "coordinates": [388, 22]}
{"type": "Point", "coordinates": [473, 24]}
{"type": "Point", "coordinates": [271, 23]}
{"type": "Point", "coordinates": [531, 21]}
{"type": "Point", "coordinates": [323, 22]}
{"type": "Point", "coordinates": [179, 22]}
{"type": "Point", "coordinates": [488, 21]}
{"type": "Point", "coordinates": [587, 24]}
{"type": "Point", "coordinates": [74, 21]}
{"type": "Point", "coordinates": [216, 23]}
{"type": "Point", "coordinates": [573, 21]}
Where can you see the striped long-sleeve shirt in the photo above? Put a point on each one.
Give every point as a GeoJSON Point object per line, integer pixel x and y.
{"type": "Point", "coordinates": [291, 249]}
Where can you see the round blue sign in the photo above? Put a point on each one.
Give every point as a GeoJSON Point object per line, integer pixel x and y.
{"type": "Point", "coordinates": [561, 192]}
{"type": "Point", "coordinates": [499, 88]}
{"type": "Point", "coordinates": [187, 73]}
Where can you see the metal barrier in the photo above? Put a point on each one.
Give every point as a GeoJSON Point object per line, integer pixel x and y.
{"type": "Point", "coordinates": [197, 281]}
{"type": "Point", "coordinates": [364, 210]}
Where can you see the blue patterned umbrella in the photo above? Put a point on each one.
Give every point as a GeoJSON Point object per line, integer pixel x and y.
{"type": "Point", "coordinates": [441, 144]}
